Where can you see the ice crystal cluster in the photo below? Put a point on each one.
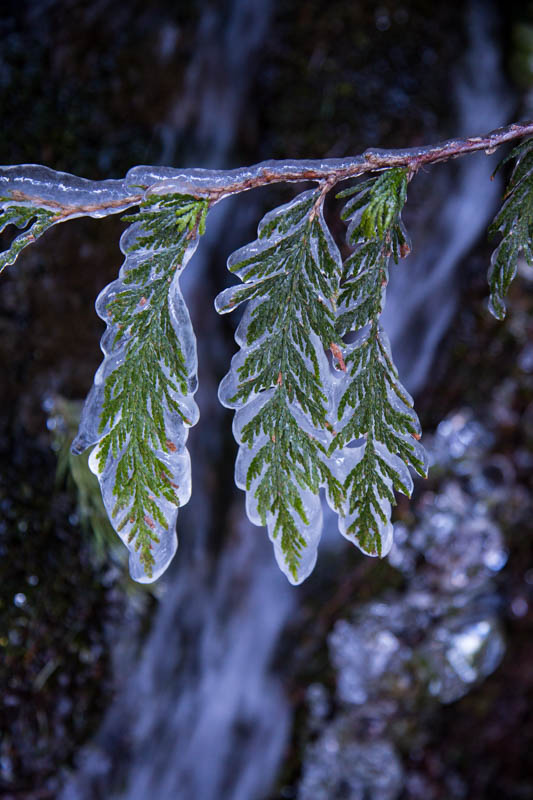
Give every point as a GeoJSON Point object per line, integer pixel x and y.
{"type": "Point", "coordinates": [318, 401]}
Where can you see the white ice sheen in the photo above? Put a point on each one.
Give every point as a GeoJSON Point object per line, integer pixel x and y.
{"type": "Point", "coordinates": [245, 456]}
{"type": "Point", "coordinates": [246, 413]}
{"type": "Point", "coordinates": [50, 188]}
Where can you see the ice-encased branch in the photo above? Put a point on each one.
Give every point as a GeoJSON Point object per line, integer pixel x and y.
{"type": "Point", "coordinates": [60, 196]}
{"type": "Point", "coordinates": [36, 198]}
{"type": "Point", "coordinates": [69, 196]}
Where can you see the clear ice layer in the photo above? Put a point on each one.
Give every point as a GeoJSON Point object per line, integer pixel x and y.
{"type": "Point", "coordinates": [45, 188]}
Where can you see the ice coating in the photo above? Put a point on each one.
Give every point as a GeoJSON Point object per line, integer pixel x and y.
{"type": "Point", "coordinates": [344, 462]}
{"type": "Point", "coordinates": [168, 180]}
{"type": "Point", "coordinates": [246, 413]}
{"type": "Point", "coordinates": [349, 456]}
{"type": "Point", "coordinates": [286, 227]}
{"type": "Point", "coordinates": [178, 181]}
{"type": "Point", "coordinates": [88, 431]}
{"type": "Point", "coordinates": [40, 183]}
{"type": "Point", "coordinates": [396, 463]}
{"type": "Point", "coordinates": [386, 532]}
{"type": "Point", "coordinates": [174, 460]}
{"type": "Point", "coordinates": [44, 187]}
{"type": "Point", "coordinates": [313, 507]}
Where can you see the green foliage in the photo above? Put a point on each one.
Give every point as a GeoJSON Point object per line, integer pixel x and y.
{"type": "Point", "coordinates": [291, 275]}
{"type": "Point", "coordinates": [376, 231]}
{"type": "Point", "coordinates": [294, 279]}
{"type": "Point", "coordinates": [514, 222]}
{"type": "Point", "coordinates": [381, 413]}
{"type": "Point", "coordinates": [379, 200]}
{"type": "Point", "coordinates": [374, 404]}
{"type": "Point", "coordinates": [22, 215]}
{"type": "Point", "coordinates": [147, 386]}
{"type": "Point", "coordinates": [300, 425]}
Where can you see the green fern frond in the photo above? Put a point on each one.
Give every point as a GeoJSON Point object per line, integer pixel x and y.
{"type": "Point", "coordinates": [514, 222]}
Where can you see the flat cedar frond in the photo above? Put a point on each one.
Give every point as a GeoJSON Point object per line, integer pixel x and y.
{"type": "Point", "coordinates": [375, 411]}
{"type": "Point", "coordinates": [144, 394]}
{"type": "Point", "coordinates": [514, 222]}
{"type": "Point", "coordinates": [278, 381]}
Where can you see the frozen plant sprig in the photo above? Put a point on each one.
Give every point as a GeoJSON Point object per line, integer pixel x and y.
{"type": "Point", "coordinates": [35, 220]}
{"type": "Point", "coordinates": [143, 399]}
{"type": "Point", "coordinates": [278, 380]}
{"type": "Point", "coordinates": [374, 410]}
{"type": "Point", "coordinates": [317, 396]}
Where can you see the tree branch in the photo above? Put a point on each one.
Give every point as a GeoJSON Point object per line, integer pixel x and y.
{"type": "Point", "coordinates": [69, 196]}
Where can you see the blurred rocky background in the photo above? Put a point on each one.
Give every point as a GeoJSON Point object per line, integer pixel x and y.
{"type": "Point", "coordinates": [408, 678]}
